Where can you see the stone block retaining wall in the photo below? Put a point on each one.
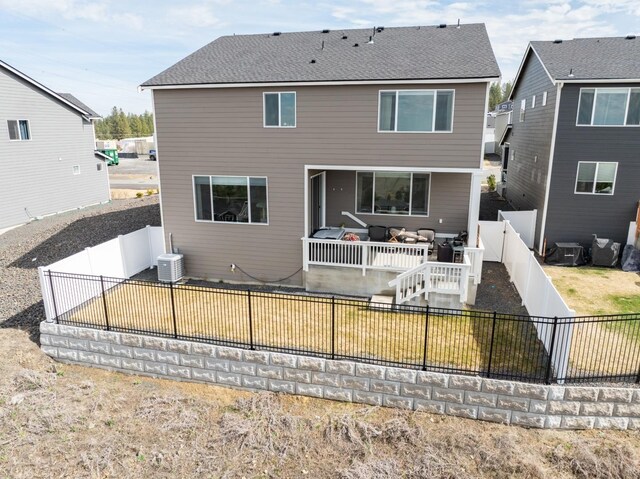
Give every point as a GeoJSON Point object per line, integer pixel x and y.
{"type": "Point", "coordinates": [500, 401]}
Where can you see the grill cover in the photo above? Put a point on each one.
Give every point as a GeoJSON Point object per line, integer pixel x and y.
{"type": "Point", "coordinates": [604, 252]}
{"type": "Point", "coordinates": [566, 254]}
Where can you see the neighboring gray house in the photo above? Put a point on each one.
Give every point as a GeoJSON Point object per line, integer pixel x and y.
{"type": "Point", "coordinates": [264, 139]}
{"type": "Point", "coordinates": [574, 141]}
{"type": "Point", "coordinates": [47, 155]}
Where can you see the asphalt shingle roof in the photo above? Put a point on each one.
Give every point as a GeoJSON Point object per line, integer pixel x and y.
{"type": "Point", "coordinates": [591, 58]}
{"type": "Point", "coordinates": [72, 99]}
{"type": "Point", "coordinates": [399, 53]}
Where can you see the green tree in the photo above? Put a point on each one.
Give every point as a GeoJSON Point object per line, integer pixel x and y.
{"type": "Point", "coordinates": [118, 125]}
{"type": "Point", "coordinates": [506, 90]}
{"type": "Point", "coordinates": [495, 96]}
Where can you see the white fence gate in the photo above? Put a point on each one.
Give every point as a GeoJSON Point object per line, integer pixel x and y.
{"type": "Point", "coordinates": [524, 222]}
{"type": "Point", "coordinates": [492, 235]}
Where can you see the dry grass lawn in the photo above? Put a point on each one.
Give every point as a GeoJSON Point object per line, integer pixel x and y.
{"type": "Point", "coordinates": [299, 324]}
{"type": "Point", "coordinates": [601, 291]}
{"type": "Point", "coordinates": [122, 194]}
{"type": "Point", "coordinates": [594, 291]}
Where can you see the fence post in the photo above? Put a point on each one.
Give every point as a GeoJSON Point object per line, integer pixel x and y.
{"type": "Point", "coordinates": [553, 341]}
{"type": "Point", "coordinates": [53, 297]}
{"type": "Point", "coordinates": [250, 320]}
{"type": "Point", "coordinates": [173, 311]}
{"type": "Point", "coordinates": [104, 303]}
{"type": "Point", "coordinates": [426, 338]}
{"type": "Point", "coordinates": [333, 327]}
{"type": "Point", "coordinates": [493, 332]}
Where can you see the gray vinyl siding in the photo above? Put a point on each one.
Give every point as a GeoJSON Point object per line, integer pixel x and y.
{"type": "Point", "coordinates": [574, 217]}
{"type": "Point", "coordinates": [37, 175]}
{"type": "Point", "coordinates": [448, 201]}
{"type": "Point", "coordinates": [526, 176]}
{"type": "Point", "coordinates": [220, 132]}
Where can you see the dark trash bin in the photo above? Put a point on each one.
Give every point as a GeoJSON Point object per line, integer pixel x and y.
{"type": "Point", "coordinates": [445, 252]}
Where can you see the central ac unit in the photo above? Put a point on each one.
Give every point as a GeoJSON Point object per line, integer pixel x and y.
{"type": "Point", "coordinates": [170, 267]}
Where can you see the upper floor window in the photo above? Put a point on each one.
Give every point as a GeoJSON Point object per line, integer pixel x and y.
{"type": "Point", "coordinates": [609, 107]}
{"type": "Point", "coordinates": [19, 129]}
{"type": "Point", "coordinates": [416, 111]}
{"type": "Point", "coordinates": [596, 177]}
{"type": "Point", "coordinates": [533, 101]}
{"type": "Point", "coordinates": [544, 98]}
{"type": "Point", "coordinates": [523, 106]}
{"type": "Point", "coordinates": [280, 109]}
{"type": "Point", "coordinates": [231, 199]}
{"type": "Point", "coordinates": [393, 193]}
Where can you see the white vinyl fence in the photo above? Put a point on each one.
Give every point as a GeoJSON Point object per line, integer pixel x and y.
{"type": "Point", "coordinates": [524, 222]}
{"type": "Point", "coordinates": [121, 257]}
{"type": "Point", "coordinates": [540, 297]}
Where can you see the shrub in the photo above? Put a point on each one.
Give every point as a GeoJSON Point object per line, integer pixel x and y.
{"type": "Point", "coordinates": [139, 194]}
{"type": "Point", "coordinates": [491, 181]}
{"type": "Point", "coordinates": [149, 192]}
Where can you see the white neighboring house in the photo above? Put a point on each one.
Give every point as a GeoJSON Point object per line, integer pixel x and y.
{"type": "Point", "coordinates": [47, 151]}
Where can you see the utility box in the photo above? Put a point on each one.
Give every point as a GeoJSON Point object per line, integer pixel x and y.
{"type": "Point", "coordinates": [170, 267]}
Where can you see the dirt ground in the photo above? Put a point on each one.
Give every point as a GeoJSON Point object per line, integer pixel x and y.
{"type": "Point", "coordinates": [59, 420]}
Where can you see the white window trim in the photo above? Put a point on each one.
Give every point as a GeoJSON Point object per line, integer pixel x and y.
{"type": "Point", "coordinates": [595, 176]}
{"type": "Point", "coordinates": [533, 102]}
{"type": "Point", "coordinates": [373, 194]}
{"type": "Point", "coordinates": [593, 107]}
{"type": "Point", "coordinates": [523, 108]}
{"type": "Point", "coordinates": [212, 220]}
{"type": "Point", "coordinates": [264, 109]}
{"type": "Point", "coordinates": [433, 122]}
{"type": "Point", "coordinates": [19, 132]}
{"type": "Point", "coordinates": [544, 98]}
{"type": "Point", "coordinates": [73, 169]}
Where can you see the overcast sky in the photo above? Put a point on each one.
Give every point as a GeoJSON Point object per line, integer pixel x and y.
{"type": "Point", "coordinates": [101, 50]}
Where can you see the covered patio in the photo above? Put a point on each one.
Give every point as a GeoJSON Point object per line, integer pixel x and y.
{"type": "Point", "coordinates": [372, 231]}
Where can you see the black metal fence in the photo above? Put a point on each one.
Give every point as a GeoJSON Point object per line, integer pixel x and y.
{"type": "Point", "coordinates": [490, 344]}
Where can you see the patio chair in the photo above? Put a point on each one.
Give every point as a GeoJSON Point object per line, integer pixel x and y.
{"type": "Point", "coordinates": [377, 233]}
{"type": "Point", "coordinates": [430, 235]}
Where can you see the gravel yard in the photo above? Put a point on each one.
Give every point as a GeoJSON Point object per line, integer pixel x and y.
{"type": "Point", "coordinates": [60, 420]}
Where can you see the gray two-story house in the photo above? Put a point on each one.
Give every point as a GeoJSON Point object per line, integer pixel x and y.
{"type": "Point", "coordinates": [272, 147]}
{"type": "Point", "coordinates": [47, 151]}
{"type": "Point", "coordinates": [572, 150]}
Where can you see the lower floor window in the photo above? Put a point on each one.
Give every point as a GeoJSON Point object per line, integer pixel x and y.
{"type": "Point", "coordinates": [231, 199]}
{"type": "Point", "coordinates": [393, 193]}
{"type": "Point", "coordinates": [596, 178]}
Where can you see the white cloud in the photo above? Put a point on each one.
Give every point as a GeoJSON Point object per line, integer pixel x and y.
{"type": "Point", "coordinates": [195, 16]}
{"type": "Point", "coordinates": [94, 11]}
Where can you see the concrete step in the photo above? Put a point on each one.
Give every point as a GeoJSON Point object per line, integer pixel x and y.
{"type": "Point", "coordinates": [381, 302]}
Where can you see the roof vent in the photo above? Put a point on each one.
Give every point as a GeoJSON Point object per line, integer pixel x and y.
{"type": "Point", "coordinates": [380, 29]}
{"type": "Point", "coordinates": [458, 25]}
{"type": "Point", "coordinates": [326, 30]}
{"type": "Point", "coordinates": [557, 41]}
{"type": "Point", "coordinates": [442, 25]}
{"type": "Point", "coordinates": [312, 61]}
{"type": "Point", "coordinates": [344, 37]}
{"type": "Point", "coordinates": [276, 34]}
{"type": "Point", "coordinates": [630, 37]}
{"type": "Point", "coordinates": [356, 44]}
{"type": "Point", "coordinates": [571, 75]}
{"type": "Point", "coordinates": [370, 42]}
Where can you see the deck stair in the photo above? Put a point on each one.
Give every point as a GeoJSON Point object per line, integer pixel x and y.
{"type": "Point", "coordinates": [432, 277]}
